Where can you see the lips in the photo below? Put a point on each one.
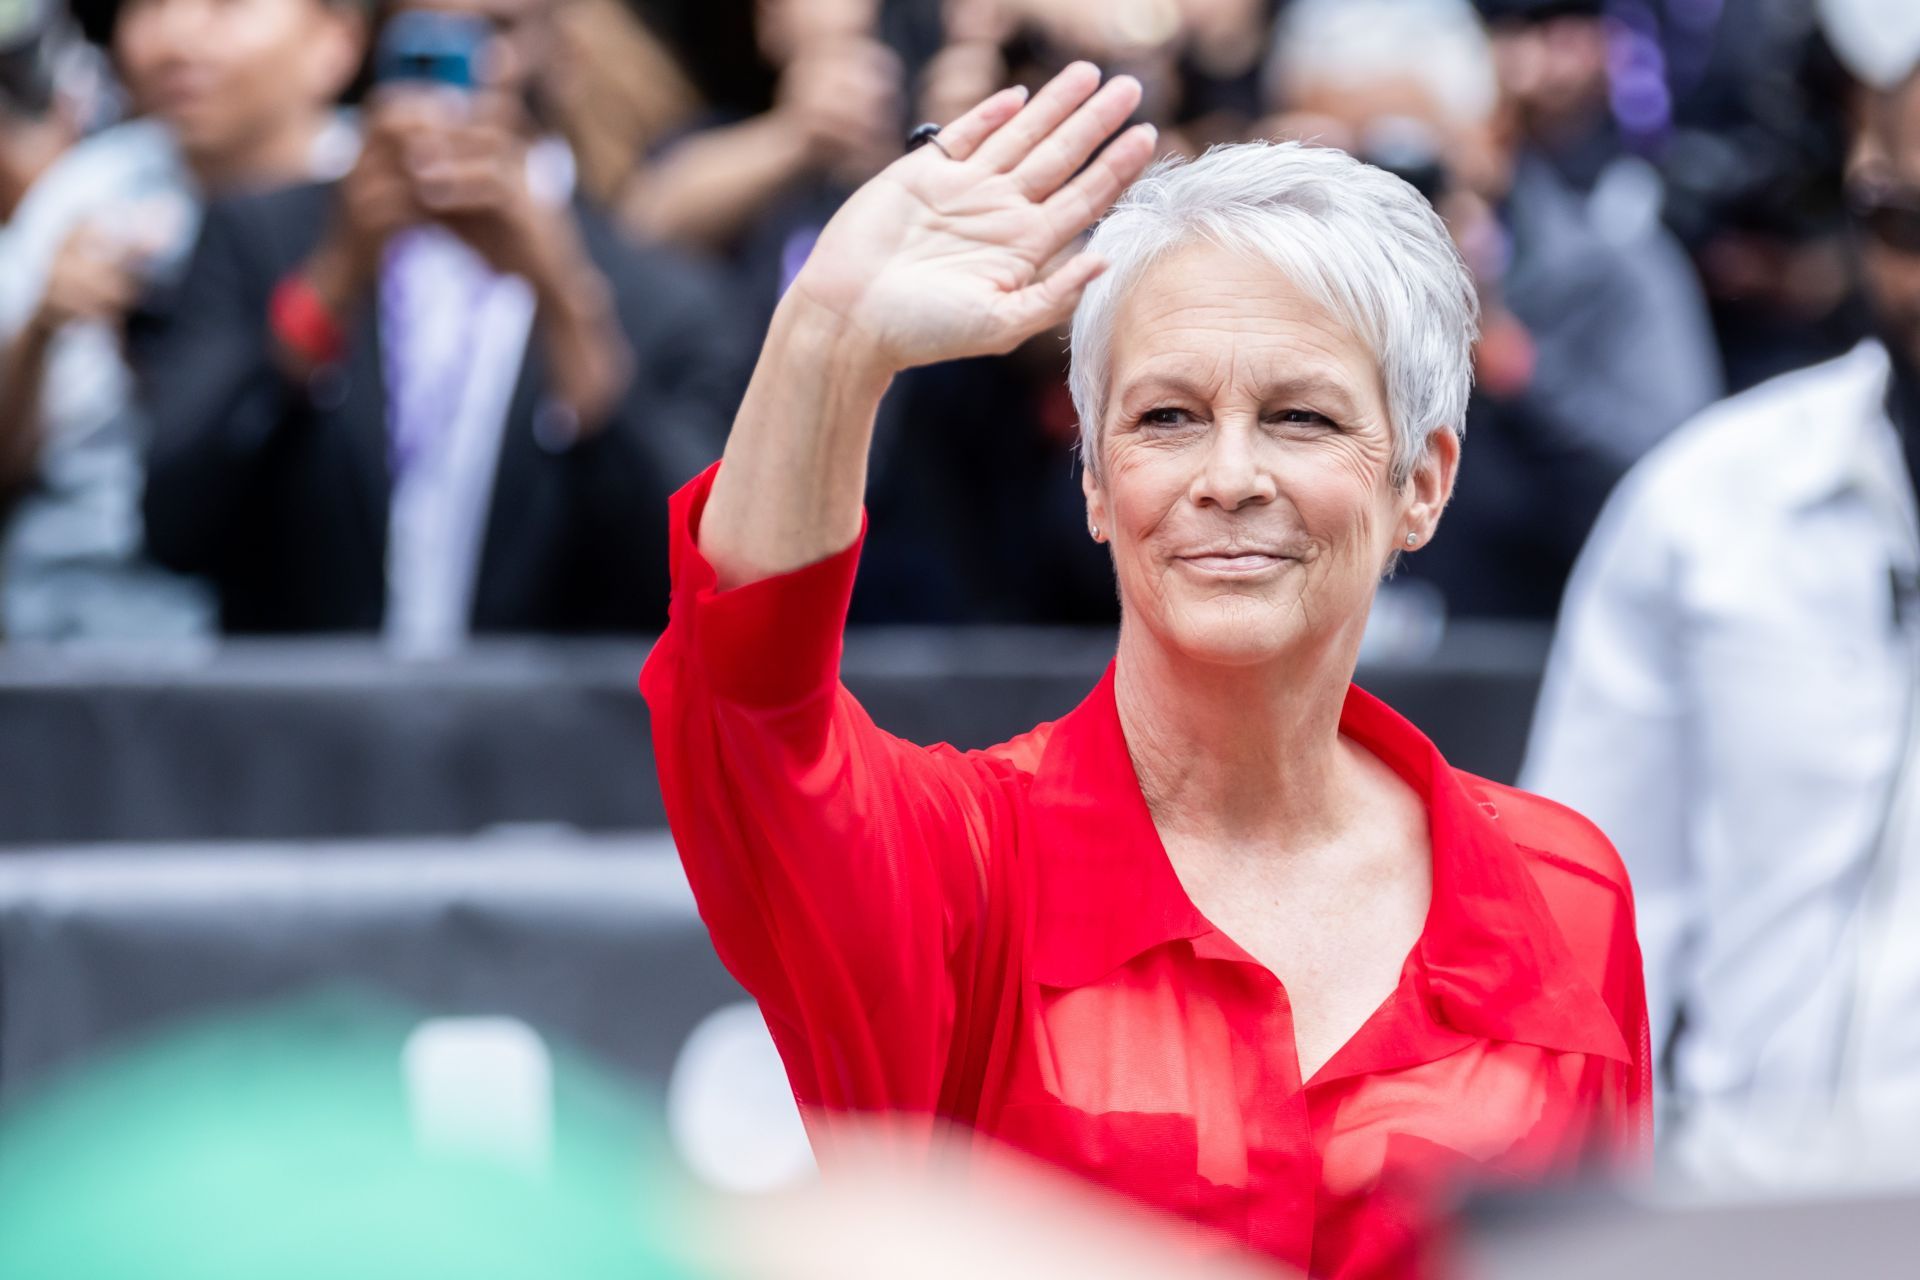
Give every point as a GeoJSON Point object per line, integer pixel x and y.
{"type": "Point", "coordinates": [181, 86]}
{"type": "Point", "coordinates": [1235, 563]}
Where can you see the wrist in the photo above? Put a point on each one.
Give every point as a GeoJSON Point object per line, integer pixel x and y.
{"type": "Point", "coordinates": [807, 332]}
{"type": "Point", "coordinates": [570, 290]}
{"type": "Point", "coordinates": [783, 134]}
{"type": "Point", "coordinates": [565, 280]}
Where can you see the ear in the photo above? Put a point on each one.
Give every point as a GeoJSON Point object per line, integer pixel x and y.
{"type": "Point", "coordinates": [1431, 484]}
{"type": "Point", "coordinates": [1096, 504]}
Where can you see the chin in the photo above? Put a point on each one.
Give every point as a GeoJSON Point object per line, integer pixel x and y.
{"type": "Point", "coordinates": [197, 136]}
{"type": "Point", "coordinates": [1236, 632]}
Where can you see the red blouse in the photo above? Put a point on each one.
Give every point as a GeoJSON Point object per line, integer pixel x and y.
{"type": "Point", "coordinates": [997, 938]}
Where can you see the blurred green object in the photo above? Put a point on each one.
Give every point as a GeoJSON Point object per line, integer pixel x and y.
{"type": "Point", "coordinates": [279, 1147]}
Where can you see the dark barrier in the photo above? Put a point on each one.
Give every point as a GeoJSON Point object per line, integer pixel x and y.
{"type": "Point", "coordinates": [302, 740]}
{"type": "Point", "coordinates": [593, 941]}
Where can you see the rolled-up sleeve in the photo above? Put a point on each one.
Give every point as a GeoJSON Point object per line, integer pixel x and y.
{"type": "Point", "coordinates": [843, 873]}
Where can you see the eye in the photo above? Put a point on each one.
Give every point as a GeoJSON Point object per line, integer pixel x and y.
{"type": "Point", "coordinates": [1304, 418]}
{"type": "Point", "coordinates": [1166, 418]}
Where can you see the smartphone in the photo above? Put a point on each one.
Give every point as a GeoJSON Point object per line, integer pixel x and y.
{"type": "Point", "coordinates": [422, 47]}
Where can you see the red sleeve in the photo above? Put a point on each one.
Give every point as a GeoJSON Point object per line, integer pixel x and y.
{"type": "Point", "coordinates": [841, 871]}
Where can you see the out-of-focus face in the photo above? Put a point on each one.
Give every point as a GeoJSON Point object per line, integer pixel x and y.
{"type": "Point", "coordinates": [1352, 115]}
{"type": "Point", "coordinates": [1553, 72]}
{"type": "Point", "coordinates": [1246, 451]}
{"type": "Point", "coordinates": [227, 73]}
{"type": "Point", "coordinates": [1886, 162]}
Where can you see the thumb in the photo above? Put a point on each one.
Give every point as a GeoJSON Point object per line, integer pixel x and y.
{"type": "Point", "coordinates": [1048, 301]}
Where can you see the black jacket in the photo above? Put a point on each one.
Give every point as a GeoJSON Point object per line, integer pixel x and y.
{"type": "Point", "coordinates": [279, 492]}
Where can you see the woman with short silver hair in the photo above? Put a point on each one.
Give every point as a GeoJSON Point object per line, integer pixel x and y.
{"type": "Point", "coordinates": [1231, 937]}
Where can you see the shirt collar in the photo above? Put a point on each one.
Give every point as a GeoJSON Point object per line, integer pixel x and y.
{"type": "Point", "coordinates": [1853, 432]}
{"type": "Point", "coordinates": [1491, 961]}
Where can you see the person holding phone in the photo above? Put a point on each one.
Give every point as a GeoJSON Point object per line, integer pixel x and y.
{"type": "Point", "coordinates": [442, 394]}
{"type": "Point", "coordinates": [230, 96]}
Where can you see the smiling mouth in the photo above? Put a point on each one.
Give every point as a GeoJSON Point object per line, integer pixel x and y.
{"type": "Point", "coordinates": [1241, 565]}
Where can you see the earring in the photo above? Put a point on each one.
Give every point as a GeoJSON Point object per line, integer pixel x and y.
{"type": "Point", "coordinates": [1413, 539]}
{"type": "Point", "coordinates": [1094, 529]}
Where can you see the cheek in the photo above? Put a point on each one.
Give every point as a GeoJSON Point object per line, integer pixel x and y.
{"type": "Point", "coordinates": [1141, 487]}
{"type": "Point", "coordinates": [1345, 504]}
{"type": "Point", "coordinates": [133, 48]}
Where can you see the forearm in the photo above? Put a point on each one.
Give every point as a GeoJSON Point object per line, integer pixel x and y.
{"type": "Point", "coordinates": [589, 360]}
{"type": "Point", "coordinates": [795, 470]}
{"type": "Point", "coordinates": [707, 189]}
{"type": "Point", "coordinates": [23, 374]}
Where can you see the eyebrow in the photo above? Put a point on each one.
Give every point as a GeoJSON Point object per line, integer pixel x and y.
{"type": "Point", "coordinates": [1316, 387]}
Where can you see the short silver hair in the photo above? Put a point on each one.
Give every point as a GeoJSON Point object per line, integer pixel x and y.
{"type": "Point", "coordinates": [1439, 45]}
{"type": "Point", "coordinates": [1362, 243]}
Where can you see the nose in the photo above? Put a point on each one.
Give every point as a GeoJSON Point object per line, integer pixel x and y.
{"type": "Point", "coordinates": [1232, 474]}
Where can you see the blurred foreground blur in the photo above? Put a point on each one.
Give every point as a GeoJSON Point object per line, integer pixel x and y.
{"type": "Point", "coordinates": [341, 1135]}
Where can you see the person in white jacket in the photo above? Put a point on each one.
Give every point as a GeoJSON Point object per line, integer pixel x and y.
{"type": "Point", "coordinates": [1733, 697]}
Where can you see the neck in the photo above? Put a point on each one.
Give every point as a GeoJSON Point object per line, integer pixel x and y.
{"type": "Point", "coordinates": [277, 157]}
{"type": "Point", "coordinates": [1250, 754]}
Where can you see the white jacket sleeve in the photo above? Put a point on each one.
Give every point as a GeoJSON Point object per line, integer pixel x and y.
{"type": "Point", "coordinates": [1610, 734]}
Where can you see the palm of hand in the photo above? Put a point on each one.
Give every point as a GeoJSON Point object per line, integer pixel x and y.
{"type": "Point", "coordinates": [925, 259]}
{"type": "Point", "coordinates": [941, 258]}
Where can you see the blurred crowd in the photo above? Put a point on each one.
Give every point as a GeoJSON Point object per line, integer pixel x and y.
{"type": "Point", "coordinates": [319, 316]}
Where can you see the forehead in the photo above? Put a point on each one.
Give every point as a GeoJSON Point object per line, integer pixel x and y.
{"type": "Point", "coordinates": [1213, 317]}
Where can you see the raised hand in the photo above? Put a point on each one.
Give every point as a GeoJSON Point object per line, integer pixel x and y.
{"type": "Point", "coordinates": [938, 257]}
{"type": "Point", "coordinates": [949, 254]}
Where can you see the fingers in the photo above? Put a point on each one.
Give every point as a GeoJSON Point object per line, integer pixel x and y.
{"type": "Point", "coordinates": [1079, 204]}
{"type": "Point", "coordinates": [1056, 100]}
{"type": "Point", "coordinates": [1047, 302]}
{"type": "Point", "coordinates": [469, 165]}
{"type": "Point", "coordinates": [462, 186]}
{"type": "Point", "coordinates": [1060, 155]}
{"type": "Point", "coordinates": [94, 290]}
{"type": "Point", "coordinates": [964, 136]}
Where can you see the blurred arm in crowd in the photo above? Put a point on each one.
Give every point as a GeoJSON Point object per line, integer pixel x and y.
{"type": "Point", "coordinates": [94, 278]}
{"type": "Point", "coordinates": [282, 468]}
{"type": "Point", "coordinates": [836, 115]}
